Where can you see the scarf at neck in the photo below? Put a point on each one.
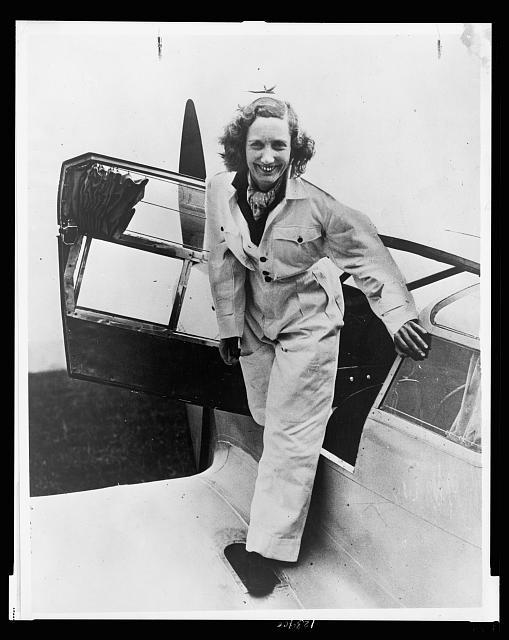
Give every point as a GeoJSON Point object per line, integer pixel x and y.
{"type": "Point", "coordinates": [259, 201]}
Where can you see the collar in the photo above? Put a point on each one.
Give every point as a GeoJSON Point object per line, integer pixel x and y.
{"type": "Point", "coordinates": [240, 180]}
{"type": "Point", "coordinates": [295, 189]}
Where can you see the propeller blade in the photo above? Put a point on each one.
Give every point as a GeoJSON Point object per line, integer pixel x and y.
{"type": "Point", "coordinates": [191, 163]}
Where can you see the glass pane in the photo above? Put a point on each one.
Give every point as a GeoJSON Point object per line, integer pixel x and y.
{"type": "Point", "coordinates": [198, 316]}
{"type": "Point", "coordinates": [157, 222]}
{"type": "Point", "coordinates": [461, 314]}
{"type": "Point", "coordinates": [129, 282]}
{"type": "Point", "coordinates": [441, 393]}
{"type": "Point", "coordinates": [170, 211]}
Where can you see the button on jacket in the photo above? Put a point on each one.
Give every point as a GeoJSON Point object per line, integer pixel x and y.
{"type": "Point", "coordinates": [307, 225]}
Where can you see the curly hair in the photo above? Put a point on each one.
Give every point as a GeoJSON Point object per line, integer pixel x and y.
{"type": "Point", "coordinates": [234, 138]}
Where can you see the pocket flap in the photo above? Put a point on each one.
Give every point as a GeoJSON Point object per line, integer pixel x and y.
{"type": "Point", "coordinates": [297, 234]}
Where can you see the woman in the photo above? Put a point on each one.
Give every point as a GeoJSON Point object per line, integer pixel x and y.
{"type": "Point", "coordinates": [276, 242]}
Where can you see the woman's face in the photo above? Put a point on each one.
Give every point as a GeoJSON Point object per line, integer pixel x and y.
{"type": "Point", "coordinates": [268, 147]}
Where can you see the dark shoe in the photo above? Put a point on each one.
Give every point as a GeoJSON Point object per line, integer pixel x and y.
{"type": "Point", "coordinates": [254, 570]}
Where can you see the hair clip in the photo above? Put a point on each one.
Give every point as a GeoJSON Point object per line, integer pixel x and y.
{"type": "Point", "coordinates": [265, 90]}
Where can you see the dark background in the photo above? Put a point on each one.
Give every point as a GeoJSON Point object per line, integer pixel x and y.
{"type": "Point", "coordinates": [85, 435]}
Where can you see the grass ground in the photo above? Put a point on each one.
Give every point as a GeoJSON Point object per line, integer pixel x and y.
{"type": "Point", "coordinates": [85, 435]}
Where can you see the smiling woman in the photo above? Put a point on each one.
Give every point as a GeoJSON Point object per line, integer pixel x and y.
{"type": "Point", "coordinates": [277, 244]}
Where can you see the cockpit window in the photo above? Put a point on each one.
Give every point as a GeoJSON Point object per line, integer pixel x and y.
{"type": "Point", "coordinates": [197, 316]}
{"type": "Point", "coordinates": [126, 282]}
{"type": "Point", "coordinates": [171, 211]}
{"type": "Point", "coordinates": [132, 241]}
{"type": "Point", "coordinates": [459, 312]}
{"type": "Point", "coordinates": [109, 199]}
{"type": "Point", "coordinates": [441, 393]}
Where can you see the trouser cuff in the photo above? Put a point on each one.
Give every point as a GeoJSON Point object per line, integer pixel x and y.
{"type": "Point", "coordinates": [268, 546]}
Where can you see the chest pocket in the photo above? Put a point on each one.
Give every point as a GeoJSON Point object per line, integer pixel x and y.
{"type": "Point", "coordinates": [295, 249]}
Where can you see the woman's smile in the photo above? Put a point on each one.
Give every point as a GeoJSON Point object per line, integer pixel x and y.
{"type": "Point", "coordinates": [267, 169]}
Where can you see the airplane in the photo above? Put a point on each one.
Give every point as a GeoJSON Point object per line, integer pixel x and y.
{"type": "Point", "coordinates": [395, 517]}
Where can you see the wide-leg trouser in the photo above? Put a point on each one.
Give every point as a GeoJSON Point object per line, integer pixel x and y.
{"type": "Point", "coordinates": [290, 387]}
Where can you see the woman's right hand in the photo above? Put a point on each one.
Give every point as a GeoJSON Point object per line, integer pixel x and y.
{"type": "Point", "coordinates": [229, 350]}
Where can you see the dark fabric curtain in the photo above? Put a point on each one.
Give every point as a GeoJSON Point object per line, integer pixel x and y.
{"type": "Point", "coordinates": [103, 200]}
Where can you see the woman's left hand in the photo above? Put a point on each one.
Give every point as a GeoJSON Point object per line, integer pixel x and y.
{"type": "Point", "coordinates": [229, 350]}
{"type": "Point", "coordinates": [409, 340]}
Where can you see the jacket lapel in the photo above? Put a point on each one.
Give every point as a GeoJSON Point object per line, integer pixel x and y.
{"type": "Point", "coordinates": [236, 230]}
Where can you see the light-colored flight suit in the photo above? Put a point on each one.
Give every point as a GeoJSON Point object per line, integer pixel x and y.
{"type": "Point", "coordinates": [284, 299]}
